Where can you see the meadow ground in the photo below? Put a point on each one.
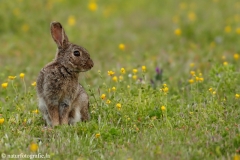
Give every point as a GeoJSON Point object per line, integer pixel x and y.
{"type": "Point", "coordinates": [165, 84]}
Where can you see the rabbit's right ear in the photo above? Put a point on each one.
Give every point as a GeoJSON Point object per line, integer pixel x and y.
{"type": "Point", "coordinates": [58, 34]}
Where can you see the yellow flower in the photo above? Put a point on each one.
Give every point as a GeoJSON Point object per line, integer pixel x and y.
{"type": "Point", "coordinates": [228, 29]}
{"type": "Point", "coordinates": [35, 111]}
{"type": "Point", "coordinates": [1, 120]}
{"type": "Point", "coordinates": [25, 27]}
{"type": "Point", "coordinates": [236, 56]}
{"type": "Point", "coordinates": [197, 78]}
{"type": "Point", "coordinates": [135, 71]}
{"type": "Point", "coordinates": [128, 86]}
{"type": "Point", "coordinates": [11, 77]}
{"type": "Point", "coordinates": [191, 16]}
{"type": "Point", "coordinates": [4, 85]}
{"type": "Point", "coordinates": [144, 68]}
{"type": "Point", "coordinates": [191, 81]}
{"type": "Point", "coordinates": [165, 89]}
{"type": "Point", "coordinates": [108, 101]}
{"type": "Point", "coordinates": [33, 147]}
{"type": "Point", "coordinates": [113, 89]}
{"type": "Point", "coordinates": [238, 30]}
{"type": "Point", "coordinates": [120, 78]}
{"type": "Point", "coordinates": [97, 135]}
{"type": "Point", "coordinates": [236, 157]}
{"type": "Point", "coordinates": [71, 21]}
{"type": "Point", "coordinates": [223, 57]}
{"type": "Point", "coordinates": [164, 85]}
{"type": "Point", "coordinates": [115, 78]}
{"type": "Point", "coordinates": [92, 6]}
{"type": "Point", "coordinates": [237, 96]}
{"type": "Point", "coordinates": [201, 79]}
{"type": "Point", "coordinates": [123, 71]}
{"type": "Point", "coordinates": [21, 75]}
{"type": "Point", "coordinates": [225, 63]}
{"type": "Point", "coordinates": [110, 73]}
{"type": "Point", "coordinates": [178, 32]}
{"type": "Point", "coordinates": [214, 92]}
{"type": "Point", "coordinates": [210, 89]}
{"type": "Point", "coordinates": [192, 65]}
{"type": "Point", "coordinates": [103, 96]}
{"type": "Point", "coordinates": [34, 84]}
{"type": "Point", "coordinates": [163, 108]}
{"type": "Point", "coordinates": [121, 46]}
{"type": "Point", "coordinates": [118, 105]}
{"type": "Point", "coordinates": [134, 77]}
{"type": "Point", "coordinates": [192, 73]}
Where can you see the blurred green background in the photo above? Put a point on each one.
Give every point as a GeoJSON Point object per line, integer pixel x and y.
{"type": "Point", "coordinates": [169, 34]}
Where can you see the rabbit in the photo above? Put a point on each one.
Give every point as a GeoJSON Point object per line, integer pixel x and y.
{"type": "Point", "coordinates": [62, 100]}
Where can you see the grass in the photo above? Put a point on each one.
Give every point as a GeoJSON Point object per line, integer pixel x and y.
{"type": "Point", "coordinates": [183, 105]}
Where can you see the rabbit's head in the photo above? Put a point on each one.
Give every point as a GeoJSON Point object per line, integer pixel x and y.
{"type": "Point", "coordinates": [75, 58]}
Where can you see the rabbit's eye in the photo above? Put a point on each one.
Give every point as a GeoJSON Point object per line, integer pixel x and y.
{"type": "Point", "coordinates": [76, 53]}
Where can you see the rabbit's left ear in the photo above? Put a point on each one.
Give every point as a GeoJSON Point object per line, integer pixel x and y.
{"type": "Point", "coordinates": [58, 34]}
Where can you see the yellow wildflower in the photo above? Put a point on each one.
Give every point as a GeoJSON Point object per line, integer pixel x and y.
{"type": "Point", "coordinates": [34, 84]}
{"type": "Point", "coordinates": [214, 92]}
{"type": "Point", "coordinates": [165, 89]}
{"type": "Point", "coordinates": [236, 56]}
{"type": "Point", "coordinates": [123, 71]}
{"type": "Point", "coordinates": [135, 71]}
{"type": "Point", "coordinates": [121, 46]}
{"type": "Point", "coordinates": [103, 96]}
{"type": "Point", "coordinates": [178, 32]}
{"type": "Point", "coordinates": [119, 106]}
{"type": "Point", "coordinates": [1, 120]}
{"type": "Point", "coordinates": [163, 108]}
{"type": "Point", "coordinates": [25, 27]}
{"type": "Point", "coordinates": [71, 21]}
{"type": "Point", "coordinates": [21, 75]}
{"type": "Point", "coordinates": [92, 6]}
{"type": "Point", "coordinates": [134, 77]}
{"type": "Point", "coordinates": [237, 96]}
{"type": "Point", "coordinates": [228, 29]}
{"type": "Point", "coordinates": [192, 65]}
{"type": "Point", "coordinates": [201, 79]}
{"type": "Point", "coordinates": [144, 68]}
{"type": "Point", "coordinates": [192, 73]}
{"type": "Point", "coordinates": [4, 85]}
{"type": "Point", "coordinates": [115, 78]}
{"type": "Point", "coordinates": [210, 89]}
{"type": "Point", "coordinates": [35, 111]}
{"type": "Point", "coordinates": [120, 78]}
{"type": "Point", "coordinates": [191, 16]}
{"type": "Point", "coordinates": [111, 73]}
{"type": "Point", "coordinates": [238, 30]}
{"type": "Point", "coordinates": [108, 101]}
{"type": "Point", "coordinates": [33, 147]}
{"type": "Point", "coordinates": [97, 135]}
{"type": "Point", "coordinates": [11, 77]}
{"type": "Point", "coordinates": [197, 78]}
{"type": "Point", "coordinates": [113, 89]}
{"type": "Point", "coordinates": [191, 81]}
{"type": "Point", "coordinates": [225, 63]}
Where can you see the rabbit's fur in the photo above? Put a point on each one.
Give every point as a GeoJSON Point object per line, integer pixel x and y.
{"type": "Point", "coordinates": [62, 100]}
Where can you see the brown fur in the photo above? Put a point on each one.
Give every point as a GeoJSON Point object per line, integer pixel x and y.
{"type": "Point", "coordinates": [61, 98]}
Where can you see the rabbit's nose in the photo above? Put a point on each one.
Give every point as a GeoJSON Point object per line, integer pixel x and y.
{"type": "Point", "coordinates": [90, 63]}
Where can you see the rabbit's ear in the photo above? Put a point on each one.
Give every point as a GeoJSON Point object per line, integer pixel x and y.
{"type": "Point", "coordinates": [58, 34]}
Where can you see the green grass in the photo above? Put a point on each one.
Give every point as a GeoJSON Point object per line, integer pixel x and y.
{"type": "Point", "coordinates": [198, 123]}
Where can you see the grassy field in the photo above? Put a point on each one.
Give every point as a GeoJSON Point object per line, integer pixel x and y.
{"type": "Point", "coordinates": [165, 82]}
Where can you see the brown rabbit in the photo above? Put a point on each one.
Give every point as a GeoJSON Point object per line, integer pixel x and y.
{"type": "Point", "coordinates": [62, 100]}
